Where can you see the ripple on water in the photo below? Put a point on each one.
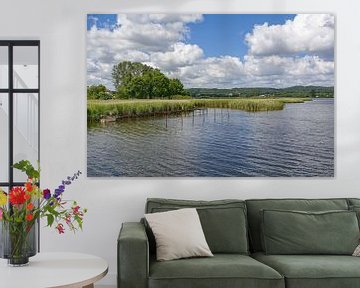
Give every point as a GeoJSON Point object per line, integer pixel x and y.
{"type": "Point", "coordinates": [297, 141]}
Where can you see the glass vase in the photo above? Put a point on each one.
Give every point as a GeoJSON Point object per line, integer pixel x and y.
{"type": "Point", "coordinates": [18, 242]}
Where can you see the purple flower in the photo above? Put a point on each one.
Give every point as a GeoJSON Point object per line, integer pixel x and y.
{"type": "Point", "coordinates": [46, 194]}
{"type": "Point", "coordinates": [57, 193]}
{"type": "Point", "coordinates": [68, 181]}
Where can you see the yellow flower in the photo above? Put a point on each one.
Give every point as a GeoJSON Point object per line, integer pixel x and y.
{"type": "Point", "coordinates": [3, 198]}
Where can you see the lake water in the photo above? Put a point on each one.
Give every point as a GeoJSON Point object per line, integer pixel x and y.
{"type": "Point", "coordinates": [297, 141]}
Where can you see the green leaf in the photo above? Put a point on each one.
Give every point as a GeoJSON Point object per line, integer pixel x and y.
{"type": "Point", "coordinates": [50, 219]}
{"type": "Point", "coordinates": [26, 167]}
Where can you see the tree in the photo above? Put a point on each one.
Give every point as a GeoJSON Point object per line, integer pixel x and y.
{"type": "Point", "coordinates": [176, 87]}
{"type": "Point", "coordinates": [125, 71]}
{"type": "Point", "coordinates": [95, 91]}
{"type": "Point", "coordinates": [122, 92]}
{"type": "Point", "coordinates": [137, 80]}
{"type": "Point", "coordinates": [160, 82]}
{"type": "Point", "coordinates": [312, 93]}
{"type": "Point", "coordinates": [137, 87]}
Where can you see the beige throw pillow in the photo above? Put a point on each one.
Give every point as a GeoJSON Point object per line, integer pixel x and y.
{"type": "Point", "coordinates": [357, 251]}
{"type": "Point", "coordinates": [178, 234]}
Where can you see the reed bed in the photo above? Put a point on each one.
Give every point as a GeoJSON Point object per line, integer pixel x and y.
{"type": "Point", "coordinates": [116, 109]}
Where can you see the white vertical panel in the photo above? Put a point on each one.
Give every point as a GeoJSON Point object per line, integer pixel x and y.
{"type": "Point", "coordinates": [4, 137]}
{"type": "Point", "coordinates": [25, 130]}
{"type": "Point", "coordinates": [4, 67]}
{"type": "Point", "coordinates": [26, 67]}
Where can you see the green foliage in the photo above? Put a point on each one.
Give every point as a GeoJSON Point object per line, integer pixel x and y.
{"type": "Point", "coordinates": [98, 110]}
{"type": "Point", "coordinates": [160, 85]}
{"type": "Point", "coordinates": [180, 97]}
{"type": "Point", "coordinates": [296, 91]}
{"type": "Point", "coordinates": [122, 93]}
{"type": "Point", "coordinates": [176, 87]}
{"type": "Point", "coordinates": [26, 167]}
{"type": "Point", "coordinates": [21, 207]}
{"type": "Point", "coordinates": [138, 87]}
{"type": "Point", "coordinates": [140, 81]}
{"type": "Point", "coordinates": [312, 93]}
{"type": "Point", "coordinates": [105, 96]}
{"type": "Point", "coordinates": [50, 219]}
{"type": "Point", "coordinates": [125, 71]}
{"type": "Point", "coordinates": [98, 92]}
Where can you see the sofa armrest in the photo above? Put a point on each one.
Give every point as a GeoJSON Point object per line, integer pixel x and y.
{"type": "Point", "coordinates": [133, 256]}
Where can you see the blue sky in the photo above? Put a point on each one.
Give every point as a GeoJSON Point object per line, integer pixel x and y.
{"type": "Point", "coordinates": [216, 34]}
{"type": "Point", "coordinates": [223, 34]}
{"type": "Point", "coordinates": [216, 50]}
{"type": "Point", "coordinates": [101, 21]}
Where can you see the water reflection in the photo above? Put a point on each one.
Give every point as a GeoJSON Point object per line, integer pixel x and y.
{"type": "Point", "coordinates": [297, 141]}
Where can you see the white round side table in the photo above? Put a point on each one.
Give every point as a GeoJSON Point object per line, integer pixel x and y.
{"type": "Point", "coordinates": [50, 270]}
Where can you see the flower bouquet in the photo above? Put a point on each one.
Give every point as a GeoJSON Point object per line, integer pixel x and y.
{"type": "Point", "coordinates": [21, 208]}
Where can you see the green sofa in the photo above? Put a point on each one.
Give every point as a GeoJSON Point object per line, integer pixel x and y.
{"type": "Point", "coordinates": [233, 230]}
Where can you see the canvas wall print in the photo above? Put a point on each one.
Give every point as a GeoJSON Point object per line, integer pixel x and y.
{"type": "Point", "coordinates": [214, 95]}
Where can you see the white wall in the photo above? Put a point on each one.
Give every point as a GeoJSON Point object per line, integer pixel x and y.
{"type": "Point", "coordinates": [61, 26]}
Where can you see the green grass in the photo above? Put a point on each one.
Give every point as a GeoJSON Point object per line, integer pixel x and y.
{"type": "Point", "coordinates": [100, 109]}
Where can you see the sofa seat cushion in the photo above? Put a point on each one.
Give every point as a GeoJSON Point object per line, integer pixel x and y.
{"type": "Point", "coordinates": [222, 270]}
{"type": "Point", "coordinates": [313, 271]}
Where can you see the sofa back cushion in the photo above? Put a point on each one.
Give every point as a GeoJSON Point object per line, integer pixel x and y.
{"type": "Point", "coordinates": [298, 232]}
{"type": "Point", "coordinates": [223, 221]}
{"type": "Point", "coordinates": [255, 206]}
{"type": "Point", "coordinates": [354, 205]}
{"type": "Point", "coordinates": [353, 202]}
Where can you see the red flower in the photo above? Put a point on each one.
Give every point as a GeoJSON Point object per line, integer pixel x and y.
{"type": "Point", "coordinates": [27, 196]}
{"type": "Point", "coordinates": [68, 219]}
{"type": "Point", "coordinates": [29, 206]}
{"type": "Point", "coordinates": [29, 217]}
{"type": "Point", "coordinates": [17, 196]}
{"type": "Point", "coordinates": [29, 186]}
{"type": "Point", "coordinates": [60, 228]}
{"type": "Point", "coordinates": [75, 209]}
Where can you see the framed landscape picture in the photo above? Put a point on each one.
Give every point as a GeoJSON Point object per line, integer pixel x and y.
{"type": "Point", "coordinates": [214, 95]}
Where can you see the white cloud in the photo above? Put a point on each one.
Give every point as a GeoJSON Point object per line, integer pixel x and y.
{"type": "Point", "coordinates": [223, 71]}
{"type": "Point", "coordinates": [180, 54]}
{"type": "Point", "coordinates": [298, 52]}
{"type": "Point", "coordinates": [266, 71]}
{"type": "Point", "coordinates": [307, 33]}
{"type": "Point", "coordinates": [136, 38]}
{"type": "Point", "coordinates": [297, 66]}
{"type": "Point", "coordinates": [279, 71]}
